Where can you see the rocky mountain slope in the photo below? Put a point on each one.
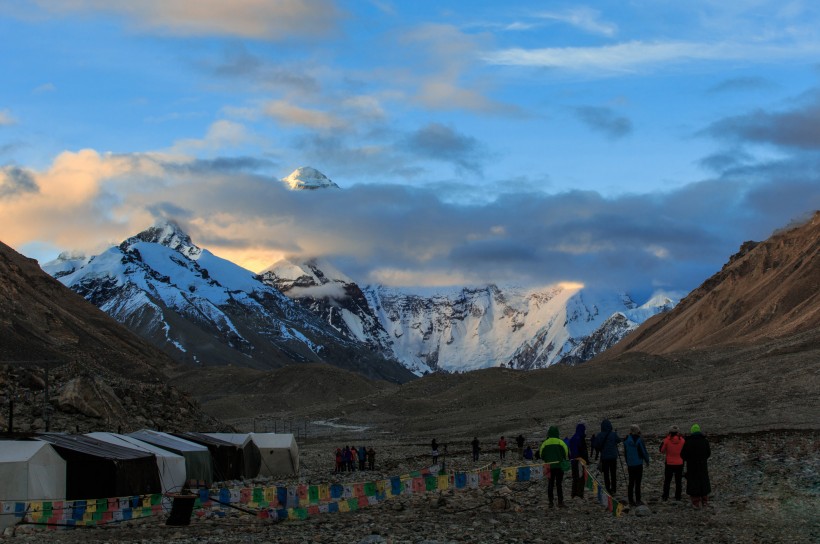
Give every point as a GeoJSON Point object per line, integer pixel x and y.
{"type": "Point", "coordinates": [204, 310]}
{"type": "Point", "coordinates": [767, 291]}
{"type": "Point", "coordinates": [463, 329]}
{"type": "Point", "coordinates": [101, 376]}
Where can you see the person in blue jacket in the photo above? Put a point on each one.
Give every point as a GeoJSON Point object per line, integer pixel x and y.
{"type": "Point", "coordinates": [636, 455]}
{"type": "Point", "coordinates": [606, 443]}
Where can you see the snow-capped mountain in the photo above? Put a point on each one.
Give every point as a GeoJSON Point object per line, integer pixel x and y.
{"type": "Point", "coordinates": [467, 328]}
{"type": "Point", "coordinates": [307, 178]}
{"type": "Point", "coordinates": [206, 310]}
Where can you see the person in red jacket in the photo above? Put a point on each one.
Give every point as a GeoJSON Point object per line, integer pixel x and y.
{"type": "Point", "coordinates": [671, 447]}
{"type": "Point", "coordinates": [502, 448]}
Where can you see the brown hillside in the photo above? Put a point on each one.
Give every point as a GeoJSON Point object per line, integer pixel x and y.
{"type": "Point", "coordinates": [766, 291]}
{"type": "Point", "coordinates": [103, 376]}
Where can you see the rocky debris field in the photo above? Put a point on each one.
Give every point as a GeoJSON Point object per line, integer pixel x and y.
{"type": "Point", "coordinates": [766, 488]}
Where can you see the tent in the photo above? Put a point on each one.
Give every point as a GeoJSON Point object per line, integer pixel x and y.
{"type": "Point", "coordinates": [171, 465]}
{"type": "Point", "coordinates": [251, 459]}
{"type": "Point", "coordinates": [29, 470]}
{"type": "Point", "coordinates": [227, 458]}
{"type": "Point", "coordinates": [97, 469]}
{"type": "Point", "coordinates": [279, 452]}
{"type": "Point", "coordinates": [198, 465]}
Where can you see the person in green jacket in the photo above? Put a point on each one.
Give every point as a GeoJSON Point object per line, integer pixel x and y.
{"type": "Point", "coordinates": [554, 452]}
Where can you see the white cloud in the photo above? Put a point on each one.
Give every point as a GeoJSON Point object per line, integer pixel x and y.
{"type": "Point", "coordinates": [586, 19]}
{"type": "Point", "coordinates": [636, 55]}
{"type": "Point", "coordinates": [45, 88]}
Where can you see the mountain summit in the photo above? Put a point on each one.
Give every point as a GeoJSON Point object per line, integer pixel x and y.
{"type": "Point", "coordinates": [307, 178]}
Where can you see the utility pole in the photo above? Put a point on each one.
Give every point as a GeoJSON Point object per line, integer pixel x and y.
{"type": "Point", "coordinates": [46, 364]}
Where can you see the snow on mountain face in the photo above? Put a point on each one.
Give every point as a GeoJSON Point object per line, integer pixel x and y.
{"type": "Point", "coordinates": [334, 297]}
{"type": "Point", "coordinates": [307, 178]}
{"type": "Point", "coordinates": [470, 328]}
{"type": "Point", "coordinates": [203, 309]}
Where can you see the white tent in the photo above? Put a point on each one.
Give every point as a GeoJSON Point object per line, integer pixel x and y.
{"type": "Point", "coordinates": [171, 466]}
{"type": "Point", "coordinates": [198, 464]}
{"type": "Point", "coordinates": [29, 470]}
{"type": "Point", "coordinates": [280, 454]}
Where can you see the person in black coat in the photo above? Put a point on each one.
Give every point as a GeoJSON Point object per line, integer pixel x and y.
{"type": "Point", "coordinates": [695, 453]}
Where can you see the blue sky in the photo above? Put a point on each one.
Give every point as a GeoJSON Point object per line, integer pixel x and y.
{"type": "Point", "coordinates": [623, 144]}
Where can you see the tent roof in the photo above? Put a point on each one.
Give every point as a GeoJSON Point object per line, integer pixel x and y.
{"type": "Point", "coordinates": [165, 440]}
{"type": "Point", "coordinates": [92, 446]}
{"type": "Point", "coordinates": [202, 438]}
{"type": "Point", "coordinates": [133, 443]}
{"type": "Point", "coordinates": [272, 440]}
{"type": "Point", "coordinates": [237, 439]}
{"type": "Point", "coordinates": [12, 451]}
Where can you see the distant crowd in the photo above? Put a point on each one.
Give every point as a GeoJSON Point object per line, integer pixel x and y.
{"type": "Point", "coordinates": [684, 457]}
{"type": "Point", "coordinates": [349, 458]}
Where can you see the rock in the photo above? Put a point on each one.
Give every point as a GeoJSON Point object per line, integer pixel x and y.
{"type": "Point", "coordinates": [373, 539]}
{"type": "Point", "coordinates": [642, 511]}
{"type": "Point", "coordinates": [89, 397]}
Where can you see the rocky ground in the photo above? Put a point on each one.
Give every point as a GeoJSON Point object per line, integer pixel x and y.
{"type": "Point", "coordinates": [766, 489]}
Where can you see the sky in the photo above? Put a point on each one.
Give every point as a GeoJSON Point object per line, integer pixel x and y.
{"type": "Point", "coordinates": [621, 144]}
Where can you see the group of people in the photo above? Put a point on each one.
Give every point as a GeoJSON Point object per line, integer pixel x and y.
{"type": "Point", "coordinates": [502, 448]}
{"type": "Point", "coordinates": [351, 457]}
{"type": "Point", "coordinates": [692, 450]}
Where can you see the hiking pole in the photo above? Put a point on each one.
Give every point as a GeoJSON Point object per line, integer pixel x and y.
{"type": "Point", "coordinates": [621, 461]}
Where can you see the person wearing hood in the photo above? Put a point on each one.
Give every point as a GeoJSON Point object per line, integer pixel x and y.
{"type": "Point", "coordinates": [577, 452]}
{"type": "Point", "coordinates": [695, 453]}
{"type": "Point", "coordinates": [636, 455]}
{"type": "Point", "coordinates": [606, 443]}
{"type": "Point", "coordinates": [555, 453]}
{"type": "Point", "coordinates": [671, 447]}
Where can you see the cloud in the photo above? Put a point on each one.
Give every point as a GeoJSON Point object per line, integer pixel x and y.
{"type": "Point", "coordinates": [638, 55]}
{"type": "Point", "coordinates": [291, 114]}
{"type": "Point", "coordinates": [14, 181]}
{"type": "Point", "coordinates": [586, 19]}
{"type": "Point", "coordinates": [258, 19]}
{"type": "Point", "coordinates": [238, 62]}
{"type": "Point", "coordinates": [45, 88]}
{"type": "Point", "coordinates": [735, 84]}
{"type": "Point", "coordinates": [443, 143]}
{"type": "Point", "coordinates": [446, 55]}
{"type": "Point", "coordinates": [722, 161]}
{"type": "Point", "coordinates": [604, 120]}
{"type": "Point", "coordinates": [797, 128]}
{"type": "Point", "coordinates": [6, 119]}
{"type": "Point", "coordinates": [221, 134]}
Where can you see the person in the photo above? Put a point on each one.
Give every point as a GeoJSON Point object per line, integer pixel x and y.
{"type": "Point", "coordinates": [695, 453]}
{"type": "Point", "coordinates": [502, 448]}
{"type": "Point", "coordinates": [671, 447]}
{"type": "Point", "coordinates": [354, 457]}
{"type": "Point", "coordinates": [475, 443]}
{"type": "Point", "coordinates": [636, 456]}
{"type": "Point", "coordinates": [338, 467]}
{"type": "Point", "coordinates": [371, 458]}
{"type": "Point", "coordinates": [519, 442]}
{"type": "Point", "coordinates": [528, 453]}
{"type": "Point", "coordinates": [554, 452]}
{"type": "Point", "coordinates": [362, 457]}
{"type": "Point", "coordinates": [578, 452]}
{"type": "Point", "coordinates": [346, 459]}
{"type": "Point", "coordinates": [606, 444]}
{"type": "Point", "coordinates": [434, 451]}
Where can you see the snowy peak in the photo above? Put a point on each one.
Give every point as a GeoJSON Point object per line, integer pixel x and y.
{"type": "Point", "coordinates": [307, 178]}
{"type": "Point", "coordinates": [168, 234]}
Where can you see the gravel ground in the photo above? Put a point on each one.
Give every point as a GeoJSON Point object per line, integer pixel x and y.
{"type": "Point", "coordinates": [766, 488]}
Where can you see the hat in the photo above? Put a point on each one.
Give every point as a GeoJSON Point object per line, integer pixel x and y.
{"type": "Point", "coordinates": [634, 429]}
{"type": "Point", "coordinates": [674, 429]}
{"type": "Point", "coordinates": [695, 429]}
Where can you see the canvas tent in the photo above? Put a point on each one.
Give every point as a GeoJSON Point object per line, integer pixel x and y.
{"type": "Point", "coordinates": [279, 453]}
{"type": "Point", "coordinates": [198, 465]}
{"type": "Point", "coordinates": [251, 460]}
{"type": "Point", "coordinates": [226, 457]}
{"type": "Point", "coordinates": [96, 469]}
{"type": "Point", "coordinates": [171, 465]}
{"type": "Point", "coordinates": [29, 470]}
